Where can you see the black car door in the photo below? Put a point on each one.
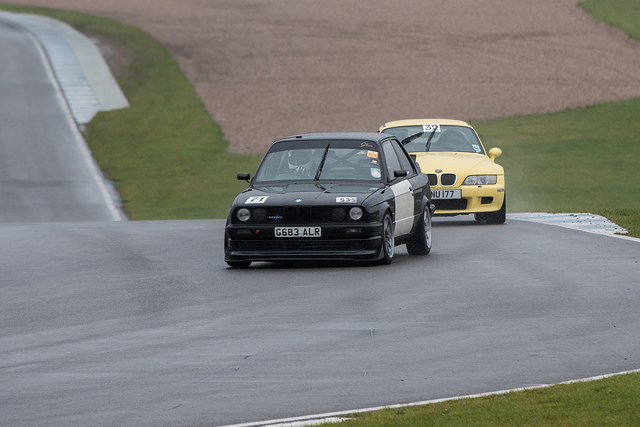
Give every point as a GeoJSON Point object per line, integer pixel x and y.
{"type": "Point", "coordinates": [402, 190]}
{"type": "Point", "coordinates": [419, 181]}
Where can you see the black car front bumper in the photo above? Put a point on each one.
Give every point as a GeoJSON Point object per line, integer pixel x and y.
{"type": "Point", "coordinates": [361, 242]}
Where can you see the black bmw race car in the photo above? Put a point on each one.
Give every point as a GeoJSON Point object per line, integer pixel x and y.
{"type": "Point", "coordinates": [331, 196]}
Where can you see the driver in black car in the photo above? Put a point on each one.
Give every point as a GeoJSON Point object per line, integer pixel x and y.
{"type": "Point", "coordinates": [301, 162]}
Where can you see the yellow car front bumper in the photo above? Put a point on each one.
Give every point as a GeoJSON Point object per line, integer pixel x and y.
{"type": "Point", "coordinates": [475, 199]}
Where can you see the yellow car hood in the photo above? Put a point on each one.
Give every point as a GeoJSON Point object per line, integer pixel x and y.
{"type": "Point", "coordinates": [462, 164]}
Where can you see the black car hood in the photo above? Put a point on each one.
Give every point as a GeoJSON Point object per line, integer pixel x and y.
{"type": "Point", "coordinates": [319, 193]}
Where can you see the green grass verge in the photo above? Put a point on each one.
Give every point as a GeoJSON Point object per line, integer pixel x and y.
{"type": "Point", "coordinates": [623, 14]}
{"type": "Point", "coordinates": [611, 401]}
{"type": "Point", "coordinates": [169, 160]}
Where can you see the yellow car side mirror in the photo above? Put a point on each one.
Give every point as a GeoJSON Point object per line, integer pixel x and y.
{"type": "Point", "coordinates": [495, 152]}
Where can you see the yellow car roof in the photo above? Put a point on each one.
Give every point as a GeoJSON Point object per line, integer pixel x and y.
{"type": "Point", "coordinates": [415, 122]}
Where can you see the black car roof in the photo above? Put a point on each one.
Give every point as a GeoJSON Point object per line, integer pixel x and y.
{"type": "Point", "coordinates": [356, 136]}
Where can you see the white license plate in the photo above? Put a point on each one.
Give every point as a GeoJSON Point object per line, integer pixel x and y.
{"type": "Point", "coordinates": [446, 194]}
{"type": "Point", "coordinates": [297, 231]}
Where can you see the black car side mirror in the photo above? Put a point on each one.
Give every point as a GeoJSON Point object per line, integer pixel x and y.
{"type": "Point", "coordinates": [244, 176]}
{"type": "Point", "coordinates": [400, 173]}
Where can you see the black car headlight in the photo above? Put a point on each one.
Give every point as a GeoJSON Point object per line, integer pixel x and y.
{"type": "Point", "coordinates": [355, 213]}
{"type": "Point", "coordinates": [243, 214]}
{"type": "Point", "coordinates": [480, 180]}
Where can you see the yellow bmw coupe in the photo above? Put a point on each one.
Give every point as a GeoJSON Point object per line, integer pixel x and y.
{"type": "Point", "coordinates": [464, 178]}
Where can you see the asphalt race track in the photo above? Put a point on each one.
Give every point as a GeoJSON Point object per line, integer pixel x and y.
{"type": "Point", "coordinates": [141, 323]}
{"type": "Point", "coordinates": [46, 170]}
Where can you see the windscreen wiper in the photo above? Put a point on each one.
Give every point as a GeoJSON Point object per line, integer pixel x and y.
{"type": "Point", "coordinates": [411, 138]}
{"type": "Point", "coordinates": [428, 144]}
{"type": "Point", "coordinates": [320, 186]}
{"type": "Point", "coordinates": [324, 158]}
{"type": "Point", "coordinates": [418, 135]}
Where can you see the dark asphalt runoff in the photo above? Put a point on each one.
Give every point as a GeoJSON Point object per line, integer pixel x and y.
{"type": "Point", "coordinates": [46, 170]}
{"type": "Point", "coordinates": [143, 324]}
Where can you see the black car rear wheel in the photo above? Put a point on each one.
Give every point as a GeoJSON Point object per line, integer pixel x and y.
{"type": "Point", "coordinates": [420, 243]}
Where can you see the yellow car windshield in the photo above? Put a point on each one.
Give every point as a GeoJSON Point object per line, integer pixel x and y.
{"type": "Point", "coordinates": [437, 138]}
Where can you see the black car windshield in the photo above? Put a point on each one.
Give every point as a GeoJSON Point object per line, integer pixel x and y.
{"type": "Point", "coordinates": [445, 138]}
{"type": "Point", "coordinates": [320, 161]}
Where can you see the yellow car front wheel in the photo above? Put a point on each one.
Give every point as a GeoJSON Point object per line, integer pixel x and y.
{"type": "Point", "coordinates": [498, 217]}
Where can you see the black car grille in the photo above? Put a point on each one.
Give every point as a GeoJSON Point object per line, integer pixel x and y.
{"type": "Point", "coordinates": [299, 245]}
{"type": "Point", "coordinates": [299, 214]}
{"type": "Point", "coordinates": [296, 215]}
{"type": "Point", "coordinates": [303, 246]}
{"type": "Point", "coordinates": [446, 179]}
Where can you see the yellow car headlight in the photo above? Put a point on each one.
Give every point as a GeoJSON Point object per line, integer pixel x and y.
{"type": "Point", "coordinates": [480, 180]}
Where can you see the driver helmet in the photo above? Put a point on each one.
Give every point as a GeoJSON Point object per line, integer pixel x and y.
{"type": "Point", "coordinates": [300, 160]}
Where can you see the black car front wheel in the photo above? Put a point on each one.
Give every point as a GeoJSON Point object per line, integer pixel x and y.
{"type": "Point", "coordinates": [239, 264]}
{"type": "Point", "coordinates": [420, 243]}
{"type": "Point", "coordinates": [388, 240]}
{"type": "Point", "coordinates": [234, 264]}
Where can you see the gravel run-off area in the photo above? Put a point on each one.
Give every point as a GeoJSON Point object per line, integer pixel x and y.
{"type": "Point", "coordinates": [270, 68]}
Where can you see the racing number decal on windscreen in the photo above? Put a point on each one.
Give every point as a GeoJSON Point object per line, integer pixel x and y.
{"type": "Point", "coordinates": [430, 128]}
